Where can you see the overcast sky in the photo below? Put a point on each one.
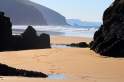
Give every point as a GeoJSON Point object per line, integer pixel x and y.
{"type": "Point", "coordinates": [85, 10]}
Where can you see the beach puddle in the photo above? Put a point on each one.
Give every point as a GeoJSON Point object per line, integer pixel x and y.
{"type": "Point", "coordinates": [56, 77]}
{"type": "Point", "coordinates": [61, 46]}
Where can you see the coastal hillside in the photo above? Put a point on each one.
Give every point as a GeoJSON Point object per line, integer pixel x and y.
{"type": "Point", "coordinates": [25, 12]}
{"type": "Point", "coordinates": [52, 17]}
{"type": "Point", "coordinates": [82, 23]}
{"type": "Point", "coordinates": [22, 13]}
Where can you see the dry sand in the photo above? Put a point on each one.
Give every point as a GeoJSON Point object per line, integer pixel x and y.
{"type": "Point", "coordinates": [68, 40]}
{"type": "Point", "coordinates": [78, 64]}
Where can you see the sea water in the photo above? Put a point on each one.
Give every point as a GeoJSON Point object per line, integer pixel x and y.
{"type": "Point", "coordinates": [71, 31]}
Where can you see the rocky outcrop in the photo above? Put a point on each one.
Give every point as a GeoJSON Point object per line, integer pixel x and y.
{"type": "Point", "coordinates": [27, 40]}
{"type": "Point", "coordinates": [81, 45]}
{"type": "Point", "coordinates": [109, 39]}
{"type": "Point", "coordinates": [30, 40]}
{"type": "Point", "coordinates": [6, 70]}
{"type": "Point", "coordinates": [22, 13]}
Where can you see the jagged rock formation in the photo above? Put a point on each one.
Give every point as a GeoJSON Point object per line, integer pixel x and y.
{"type": "Point", "coordinates": [30, 40]}
{"type": "Point", "coordinates": [10, 71]}
{"type": "Point", "coordinates": [109, 39]}
{"type": "Point", "coordinates": [27, 40]}
{"type": "Point", "coordinates": [22, 13]}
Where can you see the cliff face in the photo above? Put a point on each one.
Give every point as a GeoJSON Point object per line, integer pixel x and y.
{"type": "Point", "coordinates": [22, 13]}
{"type": "Point", "coordinates": [109, 39]}
{"type": "Point", "coordinates": [52, 17]}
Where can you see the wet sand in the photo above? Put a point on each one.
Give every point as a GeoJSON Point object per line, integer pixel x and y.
{"type": "Point", "coordinates": [78, 64]}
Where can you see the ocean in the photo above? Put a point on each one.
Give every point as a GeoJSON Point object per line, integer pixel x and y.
{"type": "Point", "coordinates": [71, 31]}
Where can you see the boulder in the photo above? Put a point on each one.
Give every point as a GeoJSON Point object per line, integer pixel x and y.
{"type": "Point", "coordinates": [108, 40]}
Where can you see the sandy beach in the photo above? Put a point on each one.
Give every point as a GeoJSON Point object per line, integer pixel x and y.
{"type": "Point", "coordinates": [78, 64]}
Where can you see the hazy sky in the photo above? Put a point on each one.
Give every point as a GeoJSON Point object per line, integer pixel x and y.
{"type": "Point", "coordinates": [85, 10]}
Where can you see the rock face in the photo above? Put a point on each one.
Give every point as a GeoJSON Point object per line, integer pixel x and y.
{"type": "Point", "coordinates": [109, 39]}
{"type": "Point", "coordinates": [27, 40]}
{"type": "Point", "coordinates": [10, 71]}
{"type": "Point", "coordinates": [22, 13]}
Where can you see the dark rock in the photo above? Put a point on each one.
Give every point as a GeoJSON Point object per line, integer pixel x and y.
{"type": "Point", "coordinates": [5, 32]}
{"type": "Point", "coordinates": [108, 40]}
{"type": "Point", "coordinates": [44, 41]}
{"type": "Point", "coordinates": [72, 44]}
{"type": "Point", "coordinates": [10, 71]}
{"type": "Point", "coordinates": [30, 40]}
{"type": "Point", "coordinates": [81, 45]}
{"type": "Point", "coordinates": [27, 40]}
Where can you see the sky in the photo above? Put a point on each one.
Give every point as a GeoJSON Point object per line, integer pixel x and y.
{"type": "Point", "coordinates": [85, 10]}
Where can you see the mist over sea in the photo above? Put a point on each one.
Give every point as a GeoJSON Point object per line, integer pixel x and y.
{"type": "Point", "coordinates": [71, 31]}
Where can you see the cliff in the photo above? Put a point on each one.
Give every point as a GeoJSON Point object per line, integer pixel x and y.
{"type": "Point", "coordinates": [109, 39]}
{"type": "Point", "coordinates": [52, 17]}
{"type": "Point", "coordinates": [22, 13]}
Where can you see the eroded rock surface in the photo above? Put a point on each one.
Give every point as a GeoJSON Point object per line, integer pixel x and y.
{"type": "Point", "coordinates": [109, 39]}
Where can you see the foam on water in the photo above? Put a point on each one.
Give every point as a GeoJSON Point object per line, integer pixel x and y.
{"type": "Point", "coordinates": [79, 31]}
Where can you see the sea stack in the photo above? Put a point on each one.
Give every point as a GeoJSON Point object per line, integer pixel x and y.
{"type": "Point", "coordinates": [108, 40]}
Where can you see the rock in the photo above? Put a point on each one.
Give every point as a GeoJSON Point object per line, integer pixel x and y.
{"type": "Point", "coordinates": [5, 32]}
{"type": "Point", "coordinates": [44, 41]}
{"type": "Point", "coordinates": [81, 45]}
{"type": "Point", "coordinates": [10, 71]}
{"type": "Point", "coordinates": [24, 41]}
{"type": "Point", "coordinates": [108, 40]}
{"type": "Point", "coordinates": [29, 39]}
